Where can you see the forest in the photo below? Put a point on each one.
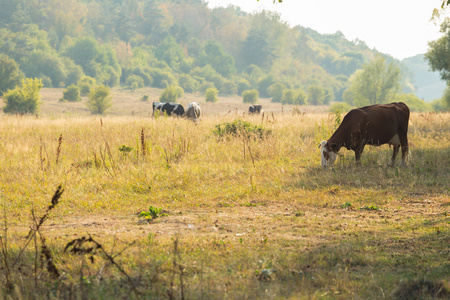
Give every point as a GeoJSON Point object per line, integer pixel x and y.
{"type": "Point", "coordinates": [155, 43]}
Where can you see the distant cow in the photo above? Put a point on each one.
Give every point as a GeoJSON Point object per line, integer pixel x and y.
{"type": "Point", "coordinates": [370, 125]}
{"type": "Point", "coordinates": [255, 109]}
{"type": "Point", "coordinates": [168, 108]}
{"type": "Point", "coordinates": [193, 111]}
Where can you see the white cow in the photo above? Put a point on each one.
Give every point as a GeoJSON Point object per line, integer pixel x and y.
{"type": "Point", "coordinates": [193, 111]}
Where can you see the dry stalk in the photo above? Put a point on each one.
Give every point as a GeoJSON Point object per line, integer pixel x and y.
{"type": "Point", "coordinates": [58, 149]}
{"type": "Point", "coordinates": [143, 143]}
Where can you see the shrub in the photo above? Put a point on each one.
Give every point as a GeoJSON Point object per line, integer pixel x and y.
{"type": "Point", "coordinates": [99, 100]}
{"type": "Point", "coordinates": [134, 81]}
{"type": "Point", "coordinates": [288, 97]}
{"type": "Point", "coordinates": [171, 94]}
{"type": "Point", "coordinates": [276, 92]}
{"type": "Point", "coordinates": [240, 127]}
{"type": "Point", "coordinates": [85, 84]}
{"type": "Point", "coordinates": [243, 85]}
{"type": "Point", "coordinates": [300, 98]}
{"type": "Point", "coordinates": [211, 95]}
{"type": "Point", "coordinates": [339, 107]}
{"type": "Point", "coordinates": [250, 96]}
{"type": "Point", "coordinates": [23, 99]}
{"type": "Point", "coordinates": [72, 94]}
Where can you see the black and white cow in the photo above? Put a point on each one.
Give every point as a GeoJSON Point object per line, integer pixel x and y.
{"type": "Point", "coordinates": [255, 109]}
{"type": "Point", "coordinates": [168, 108]}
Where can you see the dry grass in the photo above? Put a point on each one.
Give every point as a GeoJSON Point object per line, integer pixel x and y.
{"type": "Point", "coordinates": [247, 218]}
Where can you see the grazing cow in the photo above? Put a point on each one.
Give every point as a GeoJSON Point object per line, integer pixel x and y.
{"type": "Point", "coordinates": [168, 108]}
{"type": "Point", "coordinates": [254, 109]}
{"type": "Point", "coordinates": [370, 125]}
{"type": "Point", "coordinates": [193, 111]}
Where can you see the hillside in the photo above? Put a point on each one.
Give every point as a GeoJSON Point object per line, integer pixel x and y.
{"type": "Point", "coordinates": [429, 85]}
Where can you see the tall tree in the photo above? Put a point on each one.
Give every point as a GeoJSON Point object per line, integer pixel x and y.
{"type": "Point", "coordinates": [10, 75]}
{"type": "Point", "coordinates": [377, 82]}
{"type": "Point", "coordinates": [438, 54]}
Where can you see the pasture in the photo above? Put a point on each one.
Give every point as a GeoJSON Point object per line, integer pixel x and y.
{"type": "Point", "coordinates": [242, 217]}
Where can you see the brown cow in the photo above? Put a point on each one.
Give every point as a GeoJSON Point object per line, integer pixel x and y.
{"type": "Point", "coordinates": [370, 125]}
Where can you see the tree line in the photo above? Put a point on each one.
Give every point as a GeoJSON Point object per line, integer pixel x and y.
{"type": "Point", "coordinates": [155, 43]}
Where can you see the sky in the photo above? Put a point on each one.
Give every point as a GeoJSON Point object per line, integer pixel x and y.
{"type": "Point", "coordinates": [401, 28]}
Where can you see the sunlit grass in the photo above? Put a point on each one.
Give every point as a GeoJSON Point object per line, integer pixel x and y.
{"type": "Point", "coordinates": [253, 217]}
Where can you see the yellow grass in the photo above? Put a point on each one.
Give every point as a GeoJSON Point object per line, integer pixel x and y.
{"type": "Point", "coordinates": [251, 217]}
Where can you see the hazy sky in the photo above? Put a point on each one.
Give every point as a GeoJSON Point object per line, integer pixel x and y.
{"type": "Point", "coordinates": [401, 28]}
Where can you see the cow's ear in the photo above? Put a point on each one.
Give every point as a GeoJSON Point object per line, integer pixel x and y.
{"type": "Point", "coordinates": [333, 147]}
{"type": "Point", "coordinates": [322, 144]}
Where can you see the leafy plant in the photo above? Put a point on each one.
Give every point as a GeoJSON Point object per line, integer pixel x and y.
{"type": "Point", "coordinates": [347, 205]}
{"type": "Point", "coordinates": [125, 149]}
{"type": "Point", "coordinates": [239, 127]}
{"type": "Point", "coordinates": [99, 100]}
{"type": "Point", "coordinates": [24, 99]}
{"type": "Point", "coordinates": [152, 213]}
{"type": "Point", "coordinates": [72, 94]}
{"type": "Point", "coordinates": [371, 207]}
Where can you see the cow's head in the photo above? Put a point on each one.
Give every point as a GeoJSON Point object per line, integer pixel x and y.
{"type": "Point", "coordinates": [328, 153]}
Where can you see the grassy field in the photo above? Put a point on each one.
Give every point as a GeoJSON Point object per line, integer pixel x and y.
{"type": "Point", "coordinates": [242, 217]}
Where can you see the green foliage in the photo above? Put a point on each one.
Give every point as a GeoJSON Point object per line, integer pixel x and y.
{"type": "Point", "coordinates": [99, 100]}
{"type": "Point", "coordinates": [162, 78]}
{"type": "Point", "coordinates": [243, 85]}
{"type": "Point", "coordinates": [125, 149]}
{"type": "Point", "coordinates": [339, 107]}
{"type": "Point", "coordinates": [443, 104]}
{"type": "Point", "coordinates": [171, 94]}
{"type": "Point", "coordinates": [134, 81]}
{"type": "Point", "coordinates": [40, 64]}
{"type": "Point", "coordinates": [145, 98]}
{"type": "Point", "coordinates": [438, 53]}
{"type": "Point", "coordinates": [72, 94]}
{"type": "Point", "coordinates": [276, 92]}
{"type": "Point", "coordinates": [152, 213]}
{"type": "Point", "coordinates": [250, 96]}
{"type": "Point", "coordinates": [211, 95]}
{"type": "Point", "coordinates": [10, 75]}
{"type": "Point", "coordinates": [377, 82]}
{"type": "Point", "coordinates": [370, 207]}
{"type": "Point", "coordinates": [85, 84]}
{"type": "Point", "coordinates": [300, 98]}
{"type": "Point", "coordinates": [316, 95]}
{"type": "Point", "coordinates": [217, 58]}
{"type": "Point", "coordinates": [347, 205]}
{"type": "Point", "coordinates": [239, 127]}
{"type": "Point", "coordinates": [188, 83]}
{"type": "Point", "coordinates": [413, 102]}
{"type": "Point", "coordinates": [23, 99]}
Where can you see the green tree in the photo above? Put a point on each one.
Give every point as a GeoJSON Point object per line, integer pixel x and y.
{"type": "Point", "coordinates": [276, 92]}
{"type": "Point", "coordinates": [211, 95]}
{"type": "Point", "coordinates": [316, 95]}
{"type": "Point", "coordinates": [24, 99]}
{"type": "Point", "coordinates": [86, 84]}
{"type": "Point", "coordinates": [438, 54]}
{"type": "Point", "coordinates": [10, 75]}
{"type": "Point", "coordinates": [171, 94]}
{"type": "Point", "coordinates": [250, 96]}
{"type": "Point", "coordinates": [214, 55]}
{"type": "Point", "coordinates": [99, 100]}
{"type": "Point", "coordinates": [377, 82]}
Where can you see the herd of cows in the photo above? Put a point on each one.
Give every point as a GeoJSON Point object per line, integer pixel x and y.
{"type": "Point", "coordinates": [192, 112]}
{"type": "Point", "coordinates": [374, 125]}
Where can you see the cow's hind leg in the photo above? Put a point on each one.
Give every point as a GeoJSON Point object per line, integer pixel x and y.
{"type": "Point", "coordinates": [405, 150]}
{"type": "Point", "coordinates": [358, 152]}
{"type": "Point", "coordinates": [394, 155]}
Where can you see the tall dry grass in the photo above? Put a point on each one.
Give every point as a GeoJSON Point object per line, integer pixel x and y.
{"type": "Point", "coordinates": [271, 189]}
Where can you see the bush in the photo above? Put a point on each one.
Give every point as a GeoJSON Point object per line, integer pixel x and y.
{"type": "Point", "coordinates": [300, 98]}
{"type": "Point", "coordinates": [99, 100]}
{"type": "Point", "coordinates": [23, 99]}
{"type": "Point", "coordinates": [171, 94]}
{"type": "Point", "coordinates": [242, 86]}
{"type": "Point", "coordinates": [240, 127]}
{"type": "Point", "coordinates": [288, 97]}
{"type": "Point", "coordinates": [211, 95]}
{"type": "Point", "coordinates": [340, 107]}
{"type": "Point", "coordinates": [72, 94]}
{"type": "Point", "coordinates": [85, 84]}
{"type": "Point", "coordinates": [134, 81]}
{"type": "Point", "coordinates": [250, 96]}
